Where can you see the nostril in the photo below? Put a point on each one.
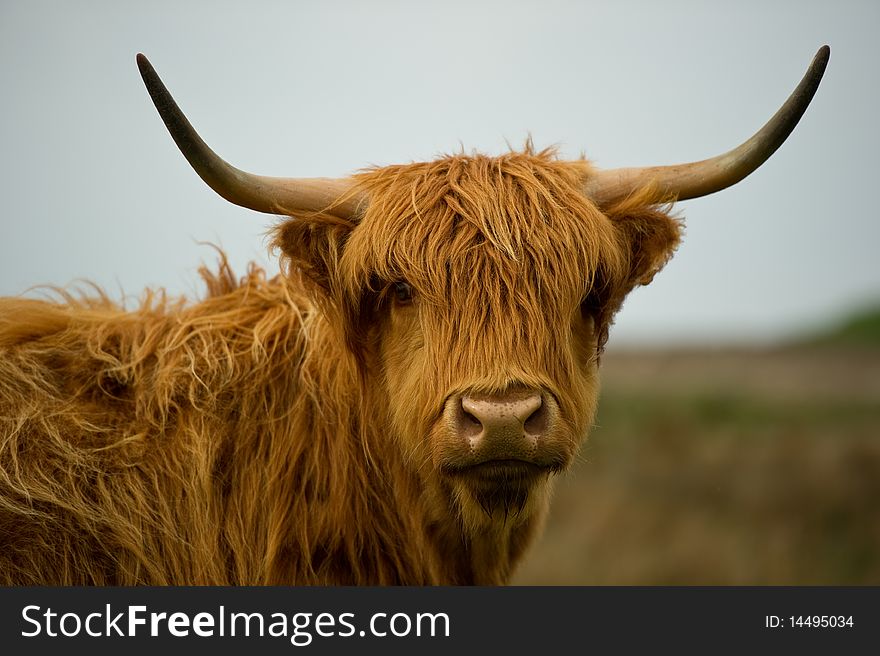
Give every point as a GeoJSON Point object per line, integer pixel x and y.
{"type": "Point", "coordinates": [536, 423]}
{"type": "Point", "coordinates": [468, 423]}
{"type": "Point", "coordinates": [525, 408]}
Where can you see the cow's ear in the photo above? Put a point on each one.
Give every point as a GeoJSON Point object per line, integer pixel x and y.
{"type": "Point", "coordinates": [648, 236]}
{"type": "Point", "coordinates": [311, 250]}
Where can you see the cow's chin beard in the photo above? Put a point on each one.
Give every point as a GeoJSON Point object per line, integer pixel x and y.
{"type": "Point", "coordinates": [500, 494]}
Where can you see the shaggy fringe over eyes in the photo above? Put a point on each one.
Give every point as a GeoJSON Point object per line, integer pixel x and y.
{"type": "Point", "coordinates": [525, 207]}
{"type": "Point", "coordinates": [514, 230]}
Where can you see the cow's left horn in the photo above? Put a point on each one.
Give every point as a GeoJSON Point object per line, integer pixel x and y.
{"type": "Point", "coordinates": [695, 179]}
{"type": "Point", "coordinates": [256, 192]}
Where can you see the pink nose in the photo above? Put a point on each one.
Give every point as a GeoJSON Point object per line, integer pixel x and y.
{"type": "Point", "coordinates": [502, 426]}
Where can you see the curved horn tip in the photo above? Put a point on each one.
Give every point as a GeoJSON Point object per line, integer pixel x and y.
{"type": "Point", "coordinates": [260, 193]}
{"type": "Point", "coordinates": [820, 59]}
{"type": "Point", "coordinates": [696, 179]}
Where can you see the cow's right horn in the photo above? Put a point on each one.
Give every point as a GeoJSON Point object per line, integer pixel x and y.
{"type": "Point", "coordinates": [256, 192]}
{"type": "Point", "coordinates": [695, 179]}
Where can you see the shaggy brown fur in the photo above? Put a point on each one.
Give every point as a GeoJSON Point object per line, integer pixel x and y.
{"type": "Point", "coordinates": [284, 430]}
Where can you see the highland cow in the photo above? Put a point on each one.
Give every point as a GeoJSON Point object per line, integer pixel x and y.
{"type": "Point", "coordinates": [390, 409]}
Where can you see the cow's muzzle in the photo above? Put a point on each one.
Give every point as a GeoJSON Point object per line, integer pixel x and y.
{"type": "Point", "coordinates": [514, 434]}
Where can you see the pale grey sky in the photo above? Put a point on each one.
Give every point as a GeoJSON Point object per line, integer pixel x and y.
{"type": "Point", "coordinates": [92, 186]}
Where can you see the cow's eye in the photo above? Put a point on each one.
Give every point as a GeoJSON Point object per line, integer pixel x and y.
{"type": "Point", "coordinates": [403, 293]}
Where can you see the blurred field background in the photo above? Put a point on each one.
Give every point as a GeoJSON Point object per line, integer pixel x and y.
{"type": "Point", "coordinates": [726, 466]}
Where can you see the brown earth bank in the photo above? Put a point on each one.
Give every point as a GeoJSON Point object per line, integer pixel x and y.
{"type": "Point", "coordinates": [723, 466]}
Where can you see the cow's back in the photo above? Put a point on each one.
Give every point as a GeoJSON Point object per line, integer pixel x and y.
{"type": "Point", "coordinates": [116, 426]}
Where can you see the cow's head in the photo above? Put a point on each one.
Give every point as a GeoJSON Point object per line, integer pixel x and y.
{"type": "Point", "coordinates": [476, 292]}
